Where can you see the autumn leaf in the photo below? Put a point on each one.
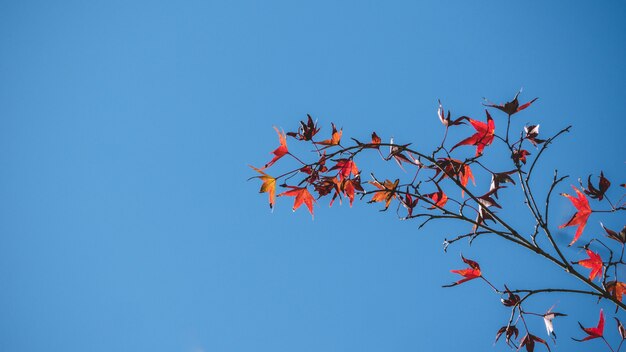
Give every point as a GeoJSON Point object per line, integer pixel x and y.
{"type": "Point", "coordinates": [268, 185]}
{"type": "Point", "coordinates": [395, 151]}
{"type": "Point", "coordinates": [512, 106]}
{"type": "Point", "coordinates": [484, 202]}
{"type": "Point", "coordinates": [483, 137]}
{"type": "Point", "coordinates": [617, 236]}
{"type": "Point", "coordinates": [511, 300]}
{"type": "Point", "coordinates": [439, 199]}
{"type": "Point", "coordinates": [350, 186]}
{"type": "Point", "coordinates": [280, 151]}
{"type": "Point", "coordinates": [302, 196]}
{"type": "Point", "coordinates": [593, 333]}
{"type": "Point", "coordinates": [616, 289]}
{"type": "Point", "coordinates": [335, 138]}
{"type": "Point", "coordinates": [345, 167]}
{"type": "Point", "coordinates": [386, 192]}
{"type": "Point", "coordinates": [470, 273]}
{"type": "Point", "coordinates": [529, 340]}
{"type": "Point", "coordinates": [597, 193]}
{"type": "Point", "coordinates": [519, 155]}
{"type": "Point", "coordinates": [532, 132]}
{"type": "Point", "coordinates": [620, 328]}
{"type": "Point", "coordinates": [547, 320]}
{"type": "Point", "coordinates": [581, 216]}
{"type": "Point", "coordinates": [508, 331]}
{"type": "Point", "coordinates": [306, 131]}
{"type": "Point", "coordinates": [454, 168]}
{"type": "Point", "coordinates": [409, 203]}
{"type": "Point", "coordinates": [445, 120]}
{"type": "Point", "coordinates": [499, 178]}
{"type": "Point", "coordinates": [375, 139]}
{"type": "Point", "coordinates": [594, 263]}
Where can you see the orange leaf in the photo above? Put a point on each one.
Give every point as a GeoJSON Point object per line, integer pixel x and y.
{"type": "Point", "coordinates": [616, 289]}
{"type": "Point", "coordinates": [581, 216]}
{"type": "Point", "coordinates": [302, 196]}
{"type": "Point", "coordinates": [280, 151]}
{"type": "Point", "coordinates": [268, 186]}
{"type": "Point", "coordinates": [387, 192]}
{"type": "Point", "coordinates": [335, 139]}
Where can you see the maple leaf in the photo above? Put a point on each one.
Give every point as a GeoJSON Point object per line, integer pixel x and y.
{"type": "Point", "coordinates": [335, 138]}
{"type": "Point", "coordinates": [302, 196]}
{"type": "Point", "coordinates": [499, 178]}
{"type": "Point", "coordinates": [581, 216]}
{"type": "Point", "coordinates": [454, 168]}
{"type": "Point", "coordinates": [387, 192]}
{"type": "Point", "coordinates": [616, 289]}
{"type": "Point", "coordinates": [306, 131]}
{"type": "Point", "coordinates": [485, 201]}
{"type": "Point", "coordinates": [512, 106]}
{"type": "Point", "coordinates": [445, 120]}
{"type": "Point", "coordinates": [512, 300]}
{"type": "Point", "coordinates": [597, 193]}
{"type": "Point", "coordinates": [268, 185]}
{"type": "Point", "coordinates": [346, 167]}
{"type": "Point", "coordinates": [483, 137]}
{"type": "Point", "coordinates": [280, 151]}
{"type": "Point", "coordinates": [528, 341]}
{"type": "Point", "coordinates": [468, 274]}
{"type": "Point", "coordinates": [532, 132]}
{"type": "Point", "coordinates": [375, 139]}
{"type": "Point", "coordinates": [519, 155]}
{"type": "Point", "coordinates": [617, 236]}
{"type": "Point", "coordinates": [509, 331]}
{"type": "Point", "coordinates": [594, 263]}
{"type": "Point", "coordinates": [438, 198]}
{"type": "Point", "coordinates": [409, 203]}
{"type": "Point", "coordinates": [620, 328]}
{"type": "Point", "coordinates": [547, 320]}
{"type": "Point", "coordinates": [395, 151]}
{"type": "Point", "coordinates": [350, 186]}
{"type": "Point", "coordinates": [593, 333]}
{"type": "Point", "coordinates": [326, 185]}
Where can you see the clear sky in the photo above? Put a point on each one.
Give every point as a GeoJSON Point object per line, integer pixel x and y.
{"type": "Point", "coordinates": [126, 128]}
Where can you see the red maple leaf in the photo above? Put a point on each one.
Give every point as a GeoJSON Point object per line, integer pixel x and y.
{"type": "Point", "coordinates": [581, 216]}
{"type": "Point", "coordinates": [438, 198]}
{"type": "Point", "coordinates": [409, 203]}
{"type": "Point", "coordinates": [512, 106]}
{"type": "Point", "coordinates": [302, 196]}
{"type": "Point", "coordinates": [346, 167]}
{"type": "Point", "coordinates": [455, 168]}
{"type": "Point", "coordinates": [280, 151]}
{"type": "Point", "coordinates": [593, 333]}
{"type": "Point", "coordinates": [470, 273]}
{"type": "Point", "coordinates": [483, 137]}
{"type": "Point", "coordinates": [594, 263]}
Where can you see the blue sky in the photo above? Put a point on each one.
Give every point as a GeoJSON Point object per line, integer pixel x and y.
{"type": "Point", "coordinates": [126, 128]}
